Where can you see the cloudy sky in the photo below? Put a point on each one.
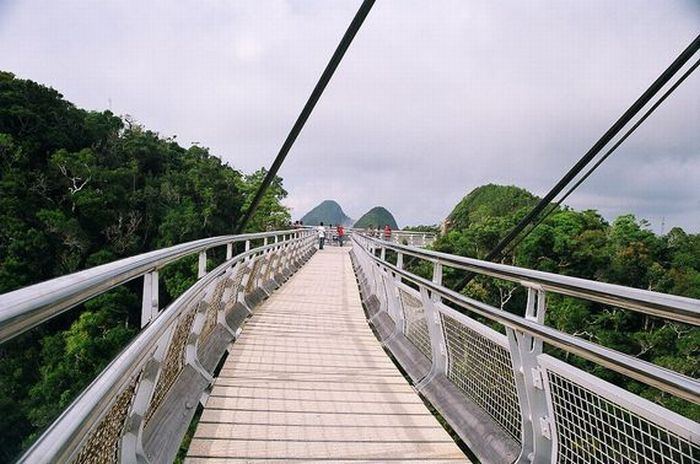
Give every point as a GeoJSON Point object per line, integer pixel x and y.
{"type": "Point", "coordinates": [433, 98]}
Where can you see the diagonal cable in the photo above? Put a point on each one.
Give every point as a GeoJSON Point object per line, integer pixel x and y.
{"type": "Point", "coordinates": [605, 156]}
{"type": "Point", "coordinates": [332, 65]}
{"type": "Point", "coordinates": [608, 136]}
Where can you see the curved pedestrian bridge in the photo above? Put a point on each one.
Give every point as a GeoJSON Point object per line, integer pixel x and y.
{"type": "Point", "coordinates": [307, 380]}
{"type": "Point", "coordinates": [293, 353]}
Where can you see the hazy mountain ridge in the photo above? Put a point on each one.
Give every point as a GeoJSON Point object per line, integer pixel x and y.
{"type": "Point", "coordinates": [489, 201]}
{"type": "Point", "coordinates": [377, 217]}
{"type": "Point", "coordinates": [328, 212]}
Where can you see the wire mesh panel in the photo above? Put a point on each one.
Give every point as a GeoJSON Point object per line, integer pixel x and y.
{"type": "Point", "coordinates": [479, 363]}
{"type": "Point", "coordinates": [268, 262]}
{"type": "Point", "coordinates": [382, 294]}
{"type": "Point", "coordinates": [234, 284]}
{"type": "Point", "coordinates": [594, 423]}
{"type": "Point", "coordinates": [173, 363]}
{"type": "Point", "coordinates": [102, 445]}
{"type": "Point", "coordinates": [214, 305]}
{"type": "Point", "coordinates": [416, 324]}
{"type": "Point", "coordinates": [250, 285]}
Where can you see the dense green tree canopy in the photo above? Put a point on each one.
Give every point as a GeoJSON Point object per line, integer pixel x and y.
{"type": "Point", "coordinates": [81, 188]}
{"type": "Point", "coordinates": [377, 217]}
{"type": "Point", "coordinates": [328, 212]}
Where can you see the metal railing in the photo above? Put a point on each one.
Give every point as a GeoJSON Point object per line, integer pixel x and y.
{"type": "Point", "coordinates": [139, 407]}
{"type": "Point", "coordinates": [401, 237]}
{"type": "Point", "coordinates": [507, 399]}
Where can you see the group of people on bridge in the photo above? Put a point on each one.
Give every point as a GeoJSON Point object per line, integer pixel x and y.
{"type": "Point", "coordinates": [339, 235]}
{"type": "Point", "coordinates": [376, 232]}
{"type": "Point", "coordinates": [323, 231]}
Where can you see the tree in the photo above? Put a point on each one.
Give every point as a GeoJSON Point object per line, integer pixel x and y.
{"type": "Point", "coordinates": [270, 214]}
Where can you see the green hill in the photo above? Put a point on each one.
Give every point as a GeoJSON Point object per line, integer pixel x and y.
{"type": "Point", "coordinates": [489, 201]}
{"type": "Point", "coordinates": [328, 212]}
{"type": "Point", "coordinates": [377, 217]}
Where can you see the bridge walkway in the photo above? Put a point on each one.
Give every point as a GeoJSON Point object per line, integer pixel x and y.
{"type": "Point", "coordinates": [308, 381]}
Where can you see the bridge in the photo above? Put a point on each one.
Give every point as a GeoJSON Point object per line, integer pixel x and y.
{"type": "Point", "coordinates": [345, 355]}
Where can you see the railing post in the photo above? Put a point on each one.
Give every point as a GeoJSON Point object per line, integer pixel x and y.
{"type": "Point", "coordinates": [202, 264]}
{"type": "Point", "coordinates": [437, 279]}
{"type": "Point", "coordinates": [191, 355]}
{"type": "Point", "coordinates": [399, 264]}
{"type": "Point", "coordinates": [131, 448]}
{"type": "Point", "coordinates": [229, 251]}
{"type": "Point", "coordinates": [247, 245]}
{"type": "Point", "coordinates": [438, 344]}
{"type": "Point", "coordinates": [149, 301]}
{"type": "Point", "coordinates": [393, 305]}
{"type": "Point", "coordinates": [529, 381]}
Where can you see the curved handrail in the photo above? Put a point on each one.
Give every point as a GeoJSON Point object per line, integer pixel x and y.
{"type": "Point", "coordinates": [651, 374]}
{"type": "Point", "coordinates": [672, 307]}
{"type": "Point", "coordinates": [25, 308]}
{"type": "Point", "coordinates": [63, 437]}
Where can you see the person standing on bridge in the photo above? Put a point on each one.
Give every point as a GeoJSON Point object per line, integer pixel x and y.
{"type": "Point", "coordinates": [387, 232]}
{"type": "Point", "coordinates": [340, 230]}
{"type": "Point", "coordinates": [321, 235]}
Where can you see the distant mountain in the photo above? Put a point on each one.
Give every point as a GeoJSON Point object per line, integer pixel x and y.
{"type": "Point", "coordinates": [489, 201]}
{"type": "Point", "coordinates": [377, 217]}
{"type": "Point", "coordinates": [328, 212]}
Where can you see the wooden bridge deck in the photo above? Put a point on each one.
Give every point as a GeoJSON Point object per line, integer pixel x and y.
{"type": "Point", "coordinates": [308, 381]}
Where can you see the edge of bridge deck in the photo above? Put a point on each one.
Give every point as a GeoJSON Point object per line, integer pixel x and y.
{"type": "Point", "coordinates": [308, 381]}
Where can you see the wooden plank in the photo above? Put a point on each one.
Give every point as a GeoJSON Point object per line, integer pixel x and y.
{"type": "Point", "coordinates": [338, 420]}
{"type": "Point", "coordinates": [347, 405]}
{"type": "Point", "coordinates": [315, 394]}
{"type": "Point", "coordinates": [282, 450]}
{"type": "Point", "coordinates": [305, 359]}
{"type": "Point", "coordinates": [315, 461]}
{"type": "Point", "coordinates": [321, 433]}
{"type": "Point", "coordinates": [357, 386]}
{"type": "Point", "coordinates": [310, 376]}
{"type": "Point", "coordinates": [307, 380]}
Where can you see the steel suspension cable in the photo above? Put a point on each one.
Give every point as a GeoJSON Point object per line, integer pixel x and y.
{"type": "Point", "coordinates": [606, 138]}
{"type": "Point", "coordinates": [332, 65]}
{"type": "Point", "coordinates": [604, 157]}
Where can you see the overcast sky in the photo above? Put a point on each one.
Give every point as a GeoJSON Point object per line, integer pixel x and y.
{"type": "Point", "coordinates": [433, 98]}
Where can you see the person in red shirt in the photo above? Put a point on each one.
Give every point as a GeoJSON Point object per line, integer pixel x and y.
{"type": "Point", "coordinates": [340, 231]}
{"type": "Point", "coordinates": [387, 232]}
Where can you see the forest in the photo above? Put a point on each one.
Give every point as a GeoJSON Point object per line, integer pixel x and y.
{"type": "Point", "coordinates": [81, 188]}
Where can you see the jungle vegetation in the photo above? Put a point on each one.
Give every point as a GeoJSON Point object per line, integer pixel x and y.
{"type": "Point", "coordinates": [81, 188]}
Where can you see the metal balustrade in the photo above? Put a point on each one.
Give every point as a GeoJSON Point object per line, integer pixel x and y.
{"type": "Point", "coordinates": [504, 397]}
{"type": "Point", "coordinates": [402, 237]}
{"type": "Point", "coordinates": [139, 407]}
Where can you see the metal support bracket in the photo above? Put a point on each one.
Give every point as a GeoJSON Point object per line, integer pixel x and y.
{"type": "Point", "coordinates": [536, 431]}
{"type": "Point", "coordinates": [202, 268]}
{"type": "Point", "coordinates": [149, 301]}
{"type": "Point", "coordinates": [437, 339]}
